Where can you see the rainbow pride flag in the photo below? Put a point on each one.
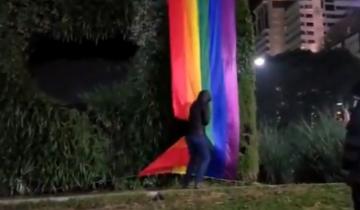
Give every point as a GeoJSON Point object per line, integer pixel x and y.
{"type": "Point", "coordinates": [203, 56]}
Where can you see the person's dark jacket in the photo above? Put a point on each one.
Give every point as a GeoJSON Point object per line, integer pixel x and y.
{"type": "Point", "coordinates": [199, 115]}
{"type": "Point", "coordinates": [351, 156]}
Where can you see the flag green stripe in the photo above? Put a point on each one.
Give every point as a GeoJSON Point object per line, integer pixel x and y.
{"type": "Point", "coordinates": [203, 7]}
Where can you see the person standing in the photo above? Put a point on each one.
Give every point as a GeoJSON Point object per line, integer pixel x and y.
{"type": "Point", "coordinates": [351, 155]}
{"type": "Point", "coordinates": [196, 139]}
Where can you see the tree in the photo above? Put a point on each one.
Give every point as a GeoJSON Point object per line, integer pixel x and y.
{"type": "Point", "coordinates": [249, 160]}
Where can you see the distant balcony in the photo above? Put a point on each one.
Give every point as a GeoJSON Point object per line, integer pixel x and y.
{"type": "Point", "coordinates": [264, 33]}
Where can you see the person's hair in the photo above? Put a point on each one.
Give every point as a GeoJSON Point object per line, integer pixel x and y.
{"type": "Point", "coordinates": [204, 95]}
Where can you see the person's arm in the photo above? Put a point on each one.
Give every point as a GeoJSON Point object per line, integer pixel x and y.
{"type": "Point", "coordinates": [205, 114]}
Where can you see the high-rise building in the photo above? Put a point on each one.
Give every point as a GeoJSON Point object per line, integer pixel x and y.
{"type": "Point", "coordinates": [304, 26]}
{"type": "Point", "coordinates": [285, 25]}
{"type": "Point", "coordinates": [335, 10]}
{"type": "Point", "coordinates": [269, 27]}
{"type": "Point", "coordinates": [262, 28]}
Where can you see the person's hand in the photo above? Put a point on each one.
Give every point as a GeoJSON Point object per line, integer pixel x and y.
{"type": "Point", "coordinates": [346, 116]}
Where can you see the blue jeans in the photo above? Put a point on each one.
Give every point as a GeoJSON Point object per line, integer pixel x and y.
{"type": "Point", "coordinates": [199, 150]}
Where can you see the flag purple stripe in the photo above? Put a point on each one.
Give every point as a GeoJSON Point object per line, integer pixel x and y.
{"type": "Point", "coordinates": [228, 53]}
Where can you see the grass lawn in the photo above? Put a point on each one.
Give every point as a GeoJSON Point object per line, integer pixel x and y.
{"type": "Point", "coordinates": [287, 197]}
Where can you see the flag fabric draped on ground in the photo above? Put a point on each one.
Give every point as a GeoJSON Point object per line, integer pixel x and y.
{"type": "Point", "coordinates": [203, 56]}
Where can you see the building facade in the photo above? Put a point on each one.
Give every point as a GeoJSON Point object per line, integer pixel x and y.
{"type": "Point", "coordinates": [304, 26]}
{"type": "Point", "coordinates": [262, 29]}
{"type": "Point", "coordinates": [297, 24]}
{"type": "Point", "coordinates": [269, 26]}
{"type": "Point", "coordinates": [336, 10]}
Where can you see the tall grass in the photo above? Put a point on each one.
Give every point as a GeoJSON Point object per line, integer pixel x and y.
{"type": "Point", "coordinates": [303, 152]}
{"type": "Point", "coordinates": [276, 155]}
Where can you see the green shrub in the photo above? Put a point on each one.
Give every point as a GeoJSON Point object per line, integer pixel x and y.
{"type": "Point", "coordinates": [49, 149]}
{"type": "Point", "coordinates": [276, 155]}
{"type": "Point", "coordinates": [132, 123]}
{"type": "Point", "coordinates": [303, 152]}
{"type": "Point", "coordinates": [135, 114]}
{"type": "Point", "coordinates": [319, 147]}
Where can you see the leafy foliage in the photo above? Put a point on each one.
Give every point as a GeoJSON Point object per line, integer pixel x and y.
{"type": "Point", "coordinates": [44, 148]}
{"type": "Point", "coordinates": [69, 20]}
{"type": "Point", "coordinates": [63, 149]}
{"type": "Point", "coordinates": [133, 121]}
{"type": "Point", "coordinates": [136, 114]}
{"type": "Point", "coordinates": [49, 149]}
